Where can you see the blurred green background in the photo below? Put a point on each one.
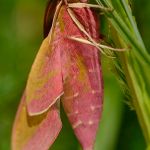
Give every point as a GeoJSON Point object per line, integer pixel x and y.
{"type": "Point", "coordinates": [21, 28]}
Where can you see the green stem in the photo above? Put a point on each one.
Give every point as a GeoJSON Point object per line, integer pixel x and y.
{"type": "Point", "coordinates": [132, 61]}
{"type": "Point", "coordinates": [128, 12]}
{"type": "Point", "coordinates": [136, 97]}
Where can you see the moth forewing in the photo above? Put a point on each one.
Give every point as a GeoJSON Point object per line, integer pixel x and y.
{"type": "Point", "coordinates": [40, 95]}
{"type": "Point", "coordinates": [34, 123]}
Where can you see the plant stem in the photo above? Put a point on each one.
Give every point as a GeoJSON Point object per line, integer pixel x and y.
{"type": "Point", "coordinates": [134, 63]}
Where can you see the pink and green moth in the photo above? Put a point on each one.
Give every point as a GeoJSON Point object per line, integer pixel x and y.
{"type": "Point", "coordinates": [65, 71]}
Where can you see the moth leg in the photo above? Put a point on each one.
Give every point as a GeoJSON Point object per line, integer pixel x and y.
{"type": "Point", "coordinates": [102, 46]}
{"type": "Point", "coordinates": [66, 2]}
{"type": "Point", "coordinates": [81, 40]}
{"type": "Point", "coordinates": [83, 5]}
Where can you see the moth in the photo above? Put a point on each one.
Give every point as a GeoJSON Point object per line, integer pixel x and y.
{"type": "Point", "coordinates": [67, 71]}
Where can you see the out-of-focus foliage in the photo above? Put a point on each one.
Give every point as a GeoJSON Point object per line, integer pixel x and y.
{"type": "Point", "coordinates": [20, 37]}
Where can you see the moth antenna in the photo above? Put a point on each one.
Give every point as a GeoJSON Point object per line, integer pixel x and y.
{"type": "Point", "coordinates": [84, 41]}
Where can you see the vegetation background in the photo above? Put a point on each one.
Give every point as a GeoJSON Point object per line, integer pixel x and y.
{"type": "Point", "coordinates": [21, 28]}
